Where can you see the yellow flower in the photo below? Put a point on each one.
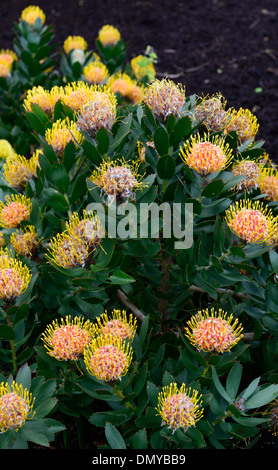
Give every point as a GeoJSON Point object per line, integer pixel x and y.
{"type": "Point", "coordinates": [209, 330]}
{"type": "Point", "coordinates": [31, 13]}
{"type": "Point", "coordinates": [136, 93]}
{"type": "Point", "coordinates": [142, 66]}
{"type": "Point", "coordinates": [7, 58]}
{"type": "Point", "coordinates": [265, 160]}
{"type": "Point", "coordinates": [268, 183]}
{"type": "Point", "coordinates": [108, 35]}
{"type": "Point", "coordinates": [164, 97]}
{"type": "Point", "coordinates": [120, 82]}
{"type": "Point", "coordinates": [108, 358]}
{"type": "Point", "coordinates": [88, 229]}
{"type": "Point", "coordinates": [14, 276]}
{"type": "Point", "coordinates": [38, 95]}
{"type": "Point", "coordinates": [117, 179]}
{"type": "Point", "coordinates": [14, 211]}
{"type": "Point", "coordinates": [5, 71]}
{"type": "Point", "coordinates": [116, 325]}
{"type": "Point", "coordinates": [67, 250]}
{"type": "Point", "coordinates": [251, 222]}
{"type": "Point", "coordinates": [244, 123]}
{"type": "Point", "coordinates": [95, 73]}
{"type": "Point", "coordinates": [75, 42]}
{"type": "Point", "coordinates": [211, 111]}
{"type": "Point", "coordinates": [99, 111]}
{"type": "Point", "coordinates": [17, 170]}
{"type": "Point", "coordinates": [61, 133]}
{"type": "Point", "coordinates": [251, 170]}
{"type": "Point", "coordinates": [26, 243]}
{"type": "Point", "coordinates": [179, 407]}
{"type": "Point", "coordinates": [16, 406]}
{"type": "Point", "coordinates": [6, 149]}
{"type": "Point", "coordinates": [206, 154]}
{"type": "Point", "coordinates": [67, 339]}
{"type": "Point", "coordinates": [77, 94]}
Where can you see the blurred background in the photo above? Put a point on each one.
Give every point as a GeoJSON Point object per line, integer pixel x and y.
{"type": "Point", "coordinates": [210, 46]}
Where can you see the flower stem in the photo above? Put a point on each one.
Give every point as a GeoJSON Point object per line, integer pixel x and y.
{"type": "Point", "coordinates": [121, 396]}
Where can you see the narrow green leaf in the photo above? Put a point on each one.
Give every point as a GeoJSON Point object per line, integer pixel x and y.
{"type": "Point", "coordinates": [114, 437]}
{"type": "Point", "coordinates": [219, 386]}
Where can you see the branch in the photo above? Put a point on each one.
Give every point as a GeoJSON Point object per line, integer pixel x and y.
{"type": "Point", "coordinates": [123, 298]}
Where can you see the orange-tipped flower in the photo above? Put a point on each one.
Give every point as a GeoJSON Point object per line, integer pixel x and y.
{"type": "Point", "coordinates": [14, 276]}
{"type": "Point", "coordinates": [109, 35]}
{"type": "Point", "coordinates": [88, 229]}
{"type": "Point", "coordinates": [7, 58]}
{"type": "Point", "coordinates": [179, 407]}
{"type": "Point", "coordinates": [164, 97]}
{"type": "Point", "coordinates": [211, 111]}
{"type": "Point", "coordinates": [31, 13]}
{"type": "Point", "coordinates": [116, 325]}
{"type": "Point", "coordinates": [268, 183]}
{"type": "Point", "coordinates": [99, 111]}
{"type": "Point", "coordinates": [16, 406]}
{"type": "Point", "coordinates": [67, 250]}
{"type": "Point", "coordinates": [206, 154]}
{"type": "Point", "coordinates": [67, 339]}
{"type": "Point", "coordinates": [17, 170]}
{"type": "Point", "coordinates": [26, 243]}
{"type": "Point", "coordinates": [244, 123]}
{"type": "Point", "coordinates": [14, 211]}
{"type": "Point", "coordinates": [250, 170]}
{"type": "Point", "coordinates": [61, 133]}
{"type": "Point", "coordinates": [95, 73]}
{"type": "Point", "coordinates": [209, 330]}
{"type": "Point", "coordinates": [38, 95]}
{"type": "Point", "coordinates": [108, 358]}
{"type": "Point", "coordinates": [78, 94]}
{"type": "Point", "coordinates": [75, 43]}
{"type": "Point", "coordinates": [251, 221]}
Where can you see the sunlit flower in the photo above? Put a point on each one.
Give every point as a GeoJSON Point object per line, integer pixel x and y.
{"type": "Point", "coordinates": [250, 170]}
{"type": "Point", "coordinates": [244, 123]}
{"type": "Point", "coordinates": [39, 96]}
{"type": "Point", "coordinates": [211, 330]}
{"type": "Point", "coordinates": [99, 111]}
{"type": "Point", "coordinates": [206, 154]}
{"type": "Point", "coordinates": [67, 339]}
{"type": "Point", "coordinates": [56, 93]}
{"type": "Point", "coordinates": [136, 94]}
{"type": "Point", "coordinates": [14, 276]}
{"type": "Point", "coordinates": [109, 35]}
{"type": "Point", "coordinates": [75, 42]}
{"type": "Point", "coordinates": [5, 71]}
{"type": "Point", "coordinates": [25, 243]}
{"type": "Point", "coordinates": [120, 82]}
{"type": "Point", "coordinates": [164, 97]}
{"type": "Point", "coordinates": [61, 133]}
{"type": "Point", "coordinates": [31, 13]}
{"type": "Point", "coordinates": [77, 94]}
{"type": "Point", "coordinates": [95, 73]}
{"type": "Point", "coordinates": [211, 111]}
{"type": "Point", "coordinates": [179, 407]}
{"type": "Point", "coordinates": [251, 221]}
{"type": "Point", "coordinates": [68, 251]}
{"type": "Point", "coordinates": [117, 325]}
{"type": "Point", "coordinates": [117, 180]}
{"type": "Point", "coordinates": [108, 357]}
{"type": "Point", "coordinates": [88, 228]}
{"type": "Point", "coordinates": [141, 66]}
{"type": "Point", "coordinates": [6, 149]}
{"type": "Point", "coordinates": [16, 406]}
{"type": "Point", "coordinates": [16, 209]}
{"type": "Point", "coordinates": [17, 170]}
{"type": "Point", "coordinates": [7, 58]}
{"type": "Point", "coordinates": [268, 183]}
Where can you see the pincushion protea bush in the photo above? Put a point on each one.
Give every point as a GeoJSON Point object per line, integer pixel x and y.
{"type": "Point", "coordinates": [138, 262]}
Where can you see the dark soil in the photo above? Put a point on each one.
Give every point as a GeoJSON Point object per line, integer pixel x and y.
{"type": "Point", "coordinates": [227, 46]}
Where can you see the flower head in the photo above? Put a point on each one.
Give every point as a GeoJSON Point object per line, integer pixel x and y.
{"type": "Point", "coordinates": [141, 66]}
{"type": "Point", "coordinates": [17, 170]}
{"type": "Point", "coordinates": [179, 408]}
{"type": "Point", "coordinates": [120, 82]}
{"type": "Point", "coordinates": [6, 149]}
{"type": "Point", "coordinates": [211, 111]}
{"type": "Point", "coordinates": [206, 154]}
{"type": "Point", "coordinates": [25, 243]}
{"type": "Point", "coordinates": [250, 170]}
{"type": "Point", "coordinates": [116, 325]}
{"type": "Point", "coordinates": [268, 183]}
{"type": "Point", "coordinates": [109, 35]}
{"type": "Point", "coordinates": [61, 133]}
{"type": "Point", "coordinates": [67, 339]}
{"type": "Point", "coordinates": [14, 276]}
{"type": "Point", "coordinates": [88, 229]}
{"type": "Point", "coordinates": [95, 73]}
{"type": "Point", "coordinates": [209, 330]}
{"type": "Point", "coordinates": [251, 222]}
{"type": "Point", "coordinates": [108, 357]}
{"type": "Point", "coordinates": [16, 406]}
{"type": "Point", "coordinates": [31, 13]}
{"type": "Point", "coordinates": [99, 111]}
{"type": "Point", "coordinates": [67, 250]}
{"type": "Point", "coordinates": [244, 123]}
{"type": "Point", "coordinates": [164, 97]}
{"type": "Point", "coordinates": [14, 211]}
{"type": "Point", "coordinates": [77, 94]}
{"type": "Point", "coordinates": [7, 58]}
{"type": "Point", "coordinates": [5, 71]}
{"type": "Point", "coordinates": [75, 43]}
{"type": "Point", "coordinates": [38, 95]}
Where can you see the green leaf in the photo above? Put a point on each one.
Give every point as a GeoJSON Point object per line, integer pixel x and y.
{"type": "Point", "coordinates": [45, 407]}
{"type": "Point", "coordinates": [161, 141]}
{"type": "Point", "coordinates": [6, 332]}
{"type": "Point", "coordinates": [55, 200]}
{"type": "Point", "coordinates": [122, 132]}
{"type": "Point", "coordinates": [69, 155]}
{"type": "Point", "coordinates": [103, 141]}
{"type": "Point", "coordinates": [233, 380]}
{"type": "Point", "coordinates": [91, 152]}
{"type": "Point", "coordinates": [262, 398]}
{"type": "Point", "coordinates": [139, 440]}
{"type": "Point", "coordinates": [33, 436]}
{"type": "Point", "coordinates": [35, 122]}
{"type": "Point", "coordinates": [214, 188]}
{"type": "Point", "coordinates": [23, 376]}
{"type": "Point", "coordinates": [181, 130]}
{"type": "Point", "coordinates": [166, 167]}
{"type": "Point", "coordinates": [273, 256]}
{"type": "Point", "coordinates": [114, 437]}
{"type": "Point", "coordinates": [60, 177]}
{"type": "Point", "coordinates": [219, 386]}
{"type": "Point", "coordinates": [119, 277]}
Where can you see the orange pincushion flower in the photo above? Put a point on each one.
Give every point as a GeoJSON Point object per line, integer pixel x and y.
{"type": "Point", "coordinates": [109, 35]}
{"type": "Point", "coordinates": [14, 211]}
{"type": "Point", "coordinates": [206, 155]}
{"type": "Point", "coordinates": [99, 111]}
{"type": "Point", "coordinates": [26, 243]}
{"type": "Point", "coordinates": [209, 330]}
{"type": "Point", "coordinates": [244, 123]}
{"type": "Point", "coordinates": [31, 13]}
{"type": "Point", "coordinates": [116, 325]}
{"type": "Point", "coordinates": [121, 83]}
{"type": "Point", "coordinates": [7, 57]}
{"type": "Point", "coordinates": [164, 97]}
{"type": "Point", "coordinates": [108, 358]}
{"type": "Point", "coordinates": [268, 183]}
{"type": "Point", "coordinates": [16, 406]}
{"type": "Point", "coordinates": [251, 170]}
{"type": "Point", "coordinates": [68, 339]}
{"type": "Point", "coordinates": [77, 94]}
{"type": "Point", "coordinates": [95, 73]}
{"type": "Point", "coordinates": [179, 408]}
{"type": "Point", "coordinates": [14, 276]}
{"type": "Point", "coordinates": [17, 170]}
{"type": "Point", "coordinates": [251, 222]}
{"type": "Point", "coordinates": [61, 133]}
{"type": "Point", "coordinates": [5, 71]}
{"type": "Point", "coordinates": [75, 42]}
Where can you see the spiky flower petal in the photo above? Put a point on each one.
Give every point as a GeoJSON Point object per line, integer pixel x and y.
{"type": "Point", "coordinates": [25, 243]}
{"type": "Point", "coordinates": [250, 170]}
{"type": "Point", "coordinates": [109, 35]}
{"type": "Point", "coordinates": [16, 406]}
{"type": "Point", "coordinates": [268, 183]}
{"type": "Point", "coordinates": [78, 94]}
{"type": "Point", "coordinates": [14, 276]}
{"type": "Point", "coordinates": [99, 111]}
{"type": "Point", "coordinates": [96, 73]}
{"type": "Point", "coordinates": [14, 211]}
{"type": "Point", "coordinates": [117, 325]}
{"type": "Point", "coordinates": [211, 111]}
{"type": "Point", "coordinates": [244, 123]}
{"type": "Point", "coordinates": [88, 229]}
{"type": "Point", "coordinates": [39, 96]}
{"type": "Point", "coordinates": [61, 133]}
{"type": "Point", "coordinates": [67, 250]}
{"type": "Point", "coordinates": [75, 43]}
{"type": "Point", "coordinates": [31, 13]}
{"type": "Point", "coordinates": [17, 170]}
{"type": "Point", "coordinates": [164, 97]}
{"type": "Point", "coordinates": [7, 58]}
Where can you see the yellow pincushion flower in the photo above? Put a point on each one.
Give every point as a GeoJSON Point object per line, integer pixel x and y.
{"type": "Point", "coordinates": [164, 97]}
{"type": "Point", "coordinates": [99, 111]}
{"type": "Point", "coordinates": [179, 407]}
{"type": "Point", "coordinates": [268, 183]}
{"type": "Point", "coordinates": [14, 276]}
{"type": "Point", "coordinates": [75, 42]}
{"type": "Point", "coordinates": [206, 154]}
{"type": "Point", "coordinates": [142, 66]}
{"type": "Point", "coordinates": [251, 221]}
{"type": "Point", "coordinates": [108, 358]}
{"type": "Point", "coordinates": [117, 325]}
{"type": "Point", "coordinates": [211, 330]}
{"type": "Point", "coordinates": [26, 243]}
{"type": "Point", "coordinates": [6, 149]}
{"type": "Point", "coordinates": [88, 228]}
{"type": "Point", "coordinates": [5, 71]}
{"type": "Point", "coordinates": [17, 170]}
{"type": "Point", "coordinates": [251, 170]}
{"type": "Point", "coordinates": [67, 250]}
{"type": "Point", "coordinates": [244, 123]}
{"type": "Point", "coordinates": [38, 95]}
{"type": "Point", "coordinates": [95, 73]}
{"type": "Point", "coordinates": [77, 94]}
{"type": "Point", "coordinates": [109, 35]}
{"type": "Point", "coordinates": [16, 406]}
{"type": "Point", "coordinates": [67, 339]}
{"type": "Point", "coordinates": [31, 13]}
{"type": "Point", "coordinates": [211, 111]}
{"type": "Point", "coordinates": [16, 209]}
{"type": "Point", "coordinates": [7, 58]}
{"type": "Point", "coordinates": [61, 133]}
{"type": "Point", "coordinates": [120, 82]}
